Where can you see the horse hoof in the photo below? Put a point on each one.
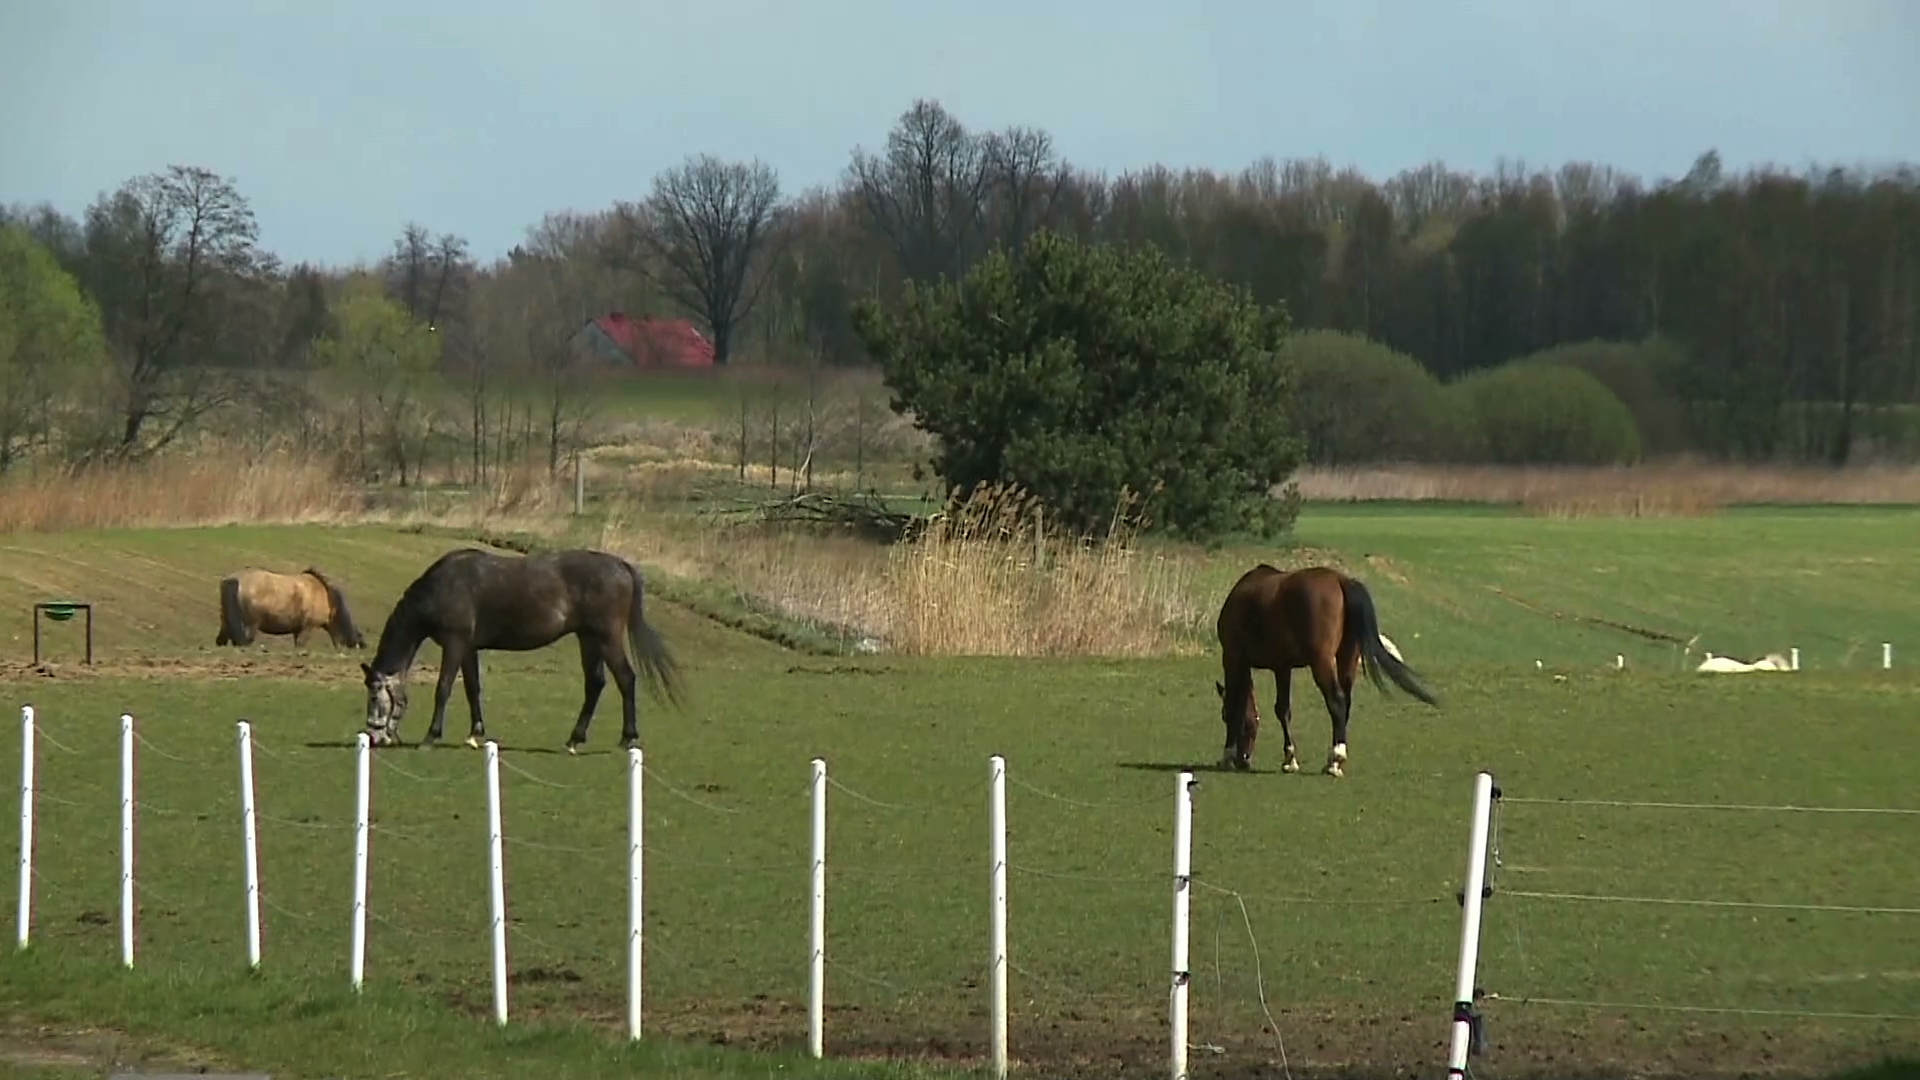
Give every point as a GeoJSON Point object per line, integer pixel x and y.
{"type": "Point", "coordinates": [573, 749]}
{"type": "Point", "coordinates": [1292, 766]}
{"type": "Point", "coordinates": [473, 742]}
{"type": "Point", "coordinates": [1334, 770]}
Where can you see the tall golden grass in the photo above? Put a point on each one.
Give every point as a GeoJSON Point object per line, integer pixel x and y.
{"type": "Point", "coordinates": [976, 582]}
{"type": "Point", "coordinates": [277, 487]}
{"type": "Point", "coordinates": [1668, 488]}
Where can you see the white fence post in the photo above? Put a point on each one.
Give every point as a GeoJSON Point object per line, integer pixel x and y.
{"type": "Point", "coordinates": [26, 823]}
{"type": "Point", "coordinates": [817, 919]}
{"type": "Point", "coordinates": [997, 818]}
{"type": "Point", "coordinates": [362, 799]}
{"type": "Point", "coordinates": [1793, 658]}
{"type": "Point", "coordinates": [126, 839]}
{"type": "Point", "coordinates": [1182, 896]}
{"type": "Point", "coordinates": [497, 883]}
{"type": "Point", "coordinates": [250, 844]}
{"type": "Point", "coordinates": [1886, 656]}
{"type": "Point", "coordinates": [1464, 1019]}
{"type": "Point", "coordinates": [636, 912]}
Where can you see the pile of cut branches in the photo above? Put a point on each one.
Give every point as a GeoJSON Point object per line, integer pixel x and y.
{"type": "Point", "coordinates": [865, 514]}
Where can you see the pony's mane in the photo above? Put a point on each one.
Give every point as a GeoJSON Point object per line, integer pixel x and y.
{"type": "Point", "coordinates": [335, 597]}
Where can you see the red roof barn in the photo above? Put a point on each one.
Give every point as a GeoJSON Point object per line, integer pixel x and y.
{"type": "Point", "coordinates": [646, 343]}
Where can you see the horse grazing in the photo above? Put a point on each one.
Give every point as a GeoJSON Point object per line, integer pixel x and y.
{"type": "Point", "coordinates": [265, 602]}
{"type": "Point", "coordinates": [469, 600]}
{"type": "Point", "coordinates": [1316, 618]}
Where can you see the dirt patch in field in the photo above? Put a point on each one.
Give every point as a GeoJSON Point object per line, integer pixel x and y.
{"type": "Point", "coordinates": [94, 1051]}
{"type": "Point", "coordinates": [1100, 1043]}
{"type": "Point", "coordinates": [316, 667]}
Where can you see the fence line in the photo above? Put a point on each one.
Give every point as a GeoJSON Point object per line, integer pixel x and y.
{"type": "Point", "coordinates": [1633, 804]}
{"type": "Point", "coordinates": [1599, 898]}
{"type": "Point", "coordinates": [1483, 851]}
{"type": "Point", "coordinates": [1000, 869]}
{"type": "Point", "coordinates": [1648, 1006]}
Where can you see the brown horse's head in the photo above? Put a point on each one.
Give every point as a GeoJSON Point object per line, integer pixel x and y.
{"type": "Point", "coordinates": [340, 626]}
{"type": "Point", "coordinates": [386, 704]}
{"type": "Point", "coordinates": [1243, 727]}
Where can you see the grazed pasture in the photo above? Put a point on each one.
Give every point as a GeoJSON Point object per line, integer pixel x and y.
{"type": "Point", "coordinates": [1348, 886]}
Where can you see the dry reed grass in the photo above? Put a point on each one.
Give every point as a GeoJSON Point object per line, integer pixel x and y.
{"type": "Point", "coordinates": [970, 585]}
{"type": "Point", "coordinates": [979, 582]}
{"type": "Point", "coordinates": [1671, 488]}
{"type": "Point", "coordinates": [277, 487]}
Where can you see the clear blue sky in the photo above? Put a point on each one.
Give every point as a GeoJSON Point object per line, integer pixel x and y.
{"type": "Point", "coordinates": [341, 121]}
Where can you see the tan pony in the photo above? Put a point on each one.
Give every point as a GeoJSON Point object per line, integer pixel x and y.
{"type": "Point", "coordinates": [262, 601]}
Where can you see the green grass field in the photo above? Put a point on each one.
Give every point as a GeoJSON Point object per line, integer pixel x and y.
{"type": "Point", "coordinates": [1348, 886]}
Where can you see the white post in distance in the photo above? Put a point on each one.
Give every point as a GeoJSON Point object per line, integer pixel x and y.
{"type": "Point", "coordinates": [1182, 897]}
{"type": "Point", "coordinates": [997, 969]}
{"type": "Point", "coordinates": [362, 799]}
{"type": "Point", "coordinates": [817, 919]}
{"type": "Point", "coordinates": [1793, 658]}
{"type": "Point", "coordinates": [1886, 656]}
{"type": "Point", "coordinates": [250, 846]}
{"type": "Point", "coordinates": [26, 823]}
{"type": "Point", "coordinates": [1463, 1019]}
{"type": "Point", "coordinates": [126, 839]}
{"type": "Point", "coordinates": [497, 883]}
{"type": "Point", "coordinates": [636, 913]}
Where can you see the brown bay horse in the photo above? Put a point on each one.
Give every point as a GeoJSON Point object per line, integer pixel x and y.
{"type": "Point", "coordinates": [265, 602]}
{"type": "Point", "coordinates": [1315, 618]}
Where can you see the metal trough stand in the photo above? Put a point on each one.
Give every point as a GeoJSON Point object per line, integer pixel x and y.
{"type": "Point", "coordinates": [61, 611]}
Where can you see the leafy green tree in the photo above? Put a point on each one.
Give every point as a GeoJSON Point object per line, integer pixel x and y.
{"type": "Point", "coordinates": [1534, 413]}
{"type": "Point", "coordinates": [1357, 400]}
{"type": "Point", "coordinates": [1077, 371]}
{"type": "Point", "coordinates": [50, 342]}
{"type": "Point", "coordinates": [388, 364]}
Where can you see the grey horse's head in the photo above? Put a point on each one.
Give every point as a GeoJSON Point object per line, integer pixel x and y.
{"type": "Point", "coordinates": [386, 705]}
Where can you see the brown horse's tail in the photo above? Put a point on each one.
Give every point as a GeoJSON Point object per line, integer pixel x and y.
{"type": "Point", "coordinates": [233, 620]}
{"type": "Point", "coordinates": [649, 651]}
{"type": "Point", "coordinates": [1363, 625]}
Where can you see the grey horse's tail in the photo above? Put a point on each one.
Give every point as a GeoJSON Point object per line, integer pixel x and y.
{"type": "Point", "coordinates": [1363, 623]}
{"type": "Point", "coordinates": [233, 621]}
{"type": "Point", "coordinates": [656, 662]}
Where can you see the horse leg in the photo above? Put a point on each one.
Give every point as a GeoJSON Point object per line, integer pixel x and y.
{"type": "Point", "coordinates": [1236, 701]}
{"type": "Point", "coordinates": [470, 679]}
{"type": "Point", "coordinates": [453, 654]}
{"type": "Point", "coordinates": [300, 636]}
{"type": "Point", "coordinates": [1283, 708]}
{"type": "Point", "coordinates": [623, 677]}
{"type": "Point", "coordinates": [1338, 700]}
{"type": "Point", "coordinates": [593, 668]}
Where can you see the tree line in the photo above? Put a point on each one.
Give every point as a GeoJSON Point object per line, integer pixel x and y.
{"type": "Point", "coordinates": [1765, 314]}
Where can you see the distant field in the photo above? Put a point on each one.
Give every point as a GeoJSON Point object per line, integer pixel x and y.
{"type": "Point", "coordinates": [1348, 885]}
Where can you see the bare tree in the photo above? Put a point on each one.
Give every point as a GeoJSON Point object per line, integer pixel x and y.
{"type": "Point", "coordinates": [429, 276]}
{"type": "Point", "coordinates": [705, 237]}
{"type": "Point", "coordinates": [926, 195]}
{"type": "Point", "coordinates": [1026, 181]}
{"type": "Point", "coordinates": [163, 256]}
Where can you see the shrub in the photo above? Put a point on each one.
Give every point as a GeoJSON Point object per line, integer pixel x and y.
{"type": "Point", "coordinates": [1642, 375]}
{"type": "Point", "coordinates": [1533, 413]}
{"type": "Point", "coordinates": [1356, 400]}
